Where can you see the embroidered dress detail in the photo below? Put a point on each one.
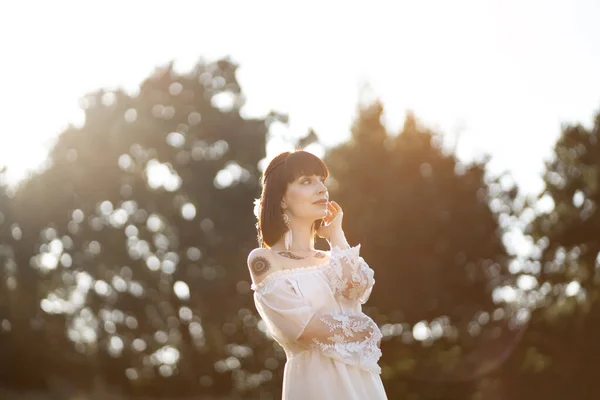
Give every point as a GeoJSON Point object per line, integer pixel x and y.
{"type": "Point", "coordinates": [350, 276]}
{"type": "Point", "coordinates": [353, 340]}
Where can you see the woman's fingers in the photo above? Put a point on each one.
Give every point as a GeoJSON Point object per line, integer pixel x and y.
{"type": "Point", "coordinates": [336, 206]}
{"type": "Point", "coordinates": [332, 211]}
{"type": "Point", "coordinates": [327, 217]}
{"type": "Point", "coordinates": [335, 209]}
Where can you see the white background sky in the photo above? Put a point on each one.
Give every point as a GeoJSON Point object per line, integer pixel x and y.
{"type": "Point", "coordinates": [504, 73]}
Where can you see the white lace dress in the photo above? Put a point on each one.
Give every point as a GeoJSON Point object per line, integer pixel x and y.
{"type": "Point", "coordinates": [315, 314]}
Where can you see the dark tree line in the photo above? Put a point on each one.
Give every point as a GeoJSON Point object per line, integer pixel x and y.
{"type": "Point", "coordinates": [123, 263]}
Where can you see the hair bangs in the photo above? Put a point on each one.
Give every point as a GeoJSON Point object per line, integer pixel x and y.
{"type": "Point", "coordinates": [302, 163]}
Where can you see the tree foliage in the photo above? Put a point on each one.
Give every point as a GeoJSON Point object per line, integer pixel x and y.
{"type": "Point", "coordinates": [124, 262]}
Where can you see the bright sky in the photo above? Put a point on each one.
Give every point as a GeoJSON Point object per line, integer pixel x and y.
{"type": "Point", "coordinates": [505, 74]}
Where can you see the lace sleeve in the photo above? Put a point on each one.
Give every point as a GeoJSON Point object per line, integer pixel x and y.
{"type": "Point", "coordinates": [352, 339]}
{"type": "Point", "coordinates": [350, 276]}
{"type": "Point", "coordinates": [349, 338]}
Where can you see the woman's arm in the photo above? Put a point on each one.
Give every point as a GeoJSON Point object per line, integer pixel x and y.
{"type": "Point", "coordinates": [334, 328]}
{"type": "Point", "coordinates": [350, 276]}
{"type": "Point", "coordinates": [352, 339]}
{"type": "Point", "coordinates": [349, 338]}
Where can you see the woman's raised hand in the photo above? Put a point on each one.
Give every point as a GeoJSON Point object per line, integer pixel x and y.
{"type": "Point", "coordinates": [332, 223]}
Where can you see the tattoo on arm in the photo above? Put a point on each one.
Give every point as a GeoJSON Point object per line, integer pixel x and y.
{"type": "Point", "coordinates": [320, 255]}
{"type": "Point", "coordinates": [260, 265]}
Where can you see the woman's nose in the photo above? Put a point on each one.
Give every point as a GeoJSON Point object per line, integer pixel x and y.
{"type": "Point", "coordinates": [322, 188]}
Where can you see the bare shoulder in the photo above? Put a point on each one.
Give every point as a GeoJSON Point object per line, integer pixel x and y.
{"type": "Point", "coordinates": [260, 263]}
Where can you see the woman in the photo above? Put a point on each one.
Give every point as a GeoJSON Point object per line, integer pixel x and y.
{"type": "Point", "coordinates": [311, 300]}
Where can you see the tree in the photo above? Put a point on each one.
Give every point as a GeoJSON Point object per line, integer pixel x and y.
{"type": "Point", "coordinates": [561, 352]}
{"type": "Point", "coordinates": [425, 225]}
{"type": "Point", "coordinates": [140, 228]}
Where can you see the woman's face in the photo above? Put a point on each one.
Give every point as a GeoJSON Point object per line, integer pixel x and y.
{"type": "Point", "coordinates": [306, 198]}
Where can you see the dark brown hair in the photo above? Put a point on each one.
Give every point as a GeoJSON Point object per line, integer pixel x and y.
{"type": "Point", "coordinates": [281, 171]}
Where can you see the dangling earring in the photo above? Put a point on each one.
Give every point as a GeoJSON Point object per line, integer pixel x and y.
{"type": "Point", "coordinates": [287, 236]}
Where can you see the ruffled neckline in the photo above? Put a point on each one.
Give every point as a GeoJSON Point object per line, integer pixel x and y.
{"type": "Point", "coordinates": [288, 272]}
{"type": "Point", "coordinates": [334, 254]}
